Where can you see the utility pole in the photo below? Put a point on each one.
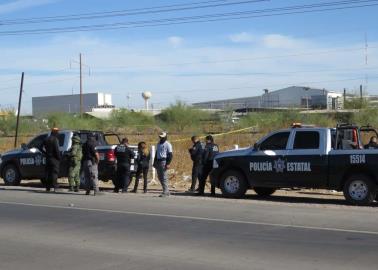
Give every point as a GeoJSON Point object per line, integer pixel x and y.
{"type": "Point", "coordinates": [366, 62]}
{"type": "Point", "coordinates": [81, 86]}
{"type": "Point", "coordinates": [344, 97]}
{"type": "Point", "coordinates": [361, 95]}
{"type": "Point", "coordinates": [19, 109]}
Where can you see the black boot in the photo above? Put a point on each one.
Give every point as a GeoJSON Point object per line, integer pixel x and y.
{"type": "Point", "coordinates": [76, 189]}
{"type": "Point", "coordinates": [71, 189]}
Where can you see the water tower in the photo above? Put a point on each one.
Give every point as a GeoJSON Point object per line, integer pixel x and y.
{"type": "Point", "coordinates": [146, 96]}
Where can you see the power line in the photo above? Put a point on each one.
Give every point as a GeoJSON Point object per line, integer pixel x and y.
{"type": "Point", "coordinates": [130, 12]}
{"type": "Point", "coordinates": [289, 10]}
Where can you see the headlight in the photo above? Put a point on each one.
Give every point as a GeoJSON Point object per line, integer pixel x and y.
{"type": "Point", "coordinates": [215, 164]}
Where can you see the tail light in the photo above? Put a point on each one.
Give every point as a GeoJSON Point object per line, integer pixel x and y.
{"type": "Point", "coordinates": [110, 156]}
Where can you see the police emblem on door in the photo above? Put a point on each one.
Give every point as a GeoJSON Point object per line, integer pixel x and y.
{"type": "Point", "coordinates": [38, 160]}
{"type": "Point", "coordinates": [279, 165]}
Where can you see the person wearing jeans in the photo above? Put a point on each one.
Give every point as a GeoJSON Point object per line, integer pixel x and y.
{"type": "Point", "coordinates": [163, 159]}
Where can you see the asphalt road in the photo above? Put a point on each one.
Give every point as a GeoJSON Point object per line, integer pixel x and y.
{"type": "Point", "coordinates": [118, 231]}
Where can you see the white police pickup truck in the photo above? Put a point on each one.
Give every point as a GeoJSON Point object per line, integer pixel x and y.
{"type": "Point", "coordinates": [303, 157]}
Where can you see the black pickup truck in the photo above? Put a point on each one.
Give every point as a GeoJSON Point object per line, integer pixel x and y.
{"type": "Point", "coordinates": [303, 157]}
{"type": "Point", "coordinates": [28, 162]}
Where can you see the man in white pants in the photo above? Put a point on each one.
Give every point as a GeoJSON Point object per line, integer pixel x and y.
{"type": "Point", "coordinates": [163, 159]}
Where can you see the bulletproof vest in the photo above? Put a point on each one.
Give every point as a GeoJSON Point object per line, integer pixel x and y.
{"type": "Point", "coordinates": [123, 154]}
{"type": "Point", "coordinates": [211, 150]}
{"type": "Point", "coordinates": [89, 151]}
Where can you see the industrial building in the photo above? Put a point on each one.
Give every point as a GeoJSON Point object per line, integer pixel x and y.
{"type": "Point", "coordinates": [70, 103]}
{"type": "Point", "coordinates": [294, 97]}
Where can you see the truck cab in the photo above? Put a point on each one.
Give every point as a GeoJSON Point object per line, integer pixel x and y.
{"type": "Point", "coordinates": [303, 157]}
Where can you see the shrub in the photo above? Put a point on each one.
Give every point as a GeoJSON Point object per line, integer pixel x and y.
{"type": "Point", "coordinates": [180, 117]}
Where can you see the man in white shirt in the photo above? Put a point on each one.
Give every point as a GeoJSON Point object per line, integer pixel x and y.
{"type": "Point", "coordinates": [163, 159]}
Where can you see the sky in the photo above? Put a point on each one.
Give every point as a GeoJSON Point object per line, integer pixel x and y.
{"type": "Point", "coordinates": [190, 62]}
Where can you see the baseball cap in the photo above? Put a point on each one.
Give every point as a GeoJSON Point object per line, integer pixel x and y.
{"type": "Point", "coordinates": [163, 134]}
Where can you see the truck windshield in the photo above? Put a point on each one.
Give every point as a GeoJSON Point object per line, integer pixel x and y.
{"type": "Point", "coordinates": [37, 142]}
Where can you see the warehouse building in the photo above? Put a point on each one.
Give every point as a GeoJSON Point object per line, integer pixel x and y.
{"type": "Point", "coordinates": [70, 103]}
{"type": "Point", "coordinates": [294, 97]}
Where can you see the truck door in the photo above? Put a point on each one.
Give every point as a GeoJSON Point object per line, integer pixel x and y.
{"type": "Point", "coordinates": [267, 164]}
{"type": "Point", "coordinates": [306, 159]}
{"type": "Point", "coordinates": [65, 144]}
{"type": "Point", "coordinates": [32, 160]}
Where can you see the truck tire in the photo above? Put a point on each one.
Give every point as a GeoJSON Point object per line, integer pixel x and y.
{"type": "Point", "coordinates": [233, 184]}
{"type": "Point", "coordinates": [264, 192]}
{"type": "Point", "coordinates": [11, 175]}
{"type": "Point", "coordinates": [359, 189]}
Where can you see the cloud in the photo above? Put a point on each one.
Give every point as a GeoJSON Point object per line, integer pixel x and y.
{"type": "Point", "coordinates": [276, 41]}
{"type": "Point", "coordinates": [22, 4]}
{"type": "Point", "coordinates": [194, 73]}
{"type": "Point", "coordinates": [242, 37]}
{"type": "Point", "coordinates": [175, 41]}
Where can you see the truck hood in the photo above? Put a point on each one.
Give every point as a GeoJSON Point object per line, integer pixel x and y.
{"type": "Point", "coordinates": [12, 152]}
{"type": "Point", "coordinates": [235, 153]}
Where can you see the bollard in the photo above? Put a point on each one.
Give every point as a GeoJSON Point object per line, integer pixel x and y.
{"type": "Point", "coordinates": [153, 170]}
{"type": "Point", "coordinates": [236, 147]}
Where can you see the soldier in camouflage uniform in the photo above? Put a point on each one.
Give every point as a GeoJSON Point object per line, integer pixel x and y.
{"type": "Point", "coordinates": [75, 164]}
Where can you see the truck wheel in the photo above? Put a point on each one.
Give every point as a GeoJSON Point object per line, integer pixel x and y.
{"type": "Point", "coordinates": [264, 192]}
{"type": "Point", "coordinates": [359, 190]}
{"type": "Point", "coordinates": [11, 175]}
{"type": "Point", "coordinates": [233, 184]}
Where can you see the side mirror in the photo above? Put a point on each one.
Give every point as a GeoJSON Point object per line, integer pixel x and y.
{"type": "Point", "coordinates": [256, 147]}
{"type": "Point", "coordinates": [24, 146]}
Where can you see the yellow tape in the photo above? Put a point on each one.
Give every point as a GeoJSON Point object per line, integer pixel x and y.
{"type": "Point", "coordinates": [214, 135]}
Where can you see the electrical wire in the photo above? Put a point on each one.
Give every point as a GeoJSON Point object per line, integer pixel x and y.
{"type": "Point", "coordinates": [290, 10]}
{"type": "Point", "coordinates": [121, 13]}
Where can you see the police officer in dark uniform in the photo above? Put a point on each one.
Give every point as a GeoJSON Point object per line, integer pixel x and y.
{"type": "Point", "coordinates": [196, 152]}
{"type": "Point", "coordinates": [124, 156]}
{"type": "Point", "coordinates": [53, 158]}
{"type": "Point", "coordinates": [90, 162]}
{"type": "Point", "coordinates": [143, 163]}
{"type": "Point", "coordinates": [211, 149]}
